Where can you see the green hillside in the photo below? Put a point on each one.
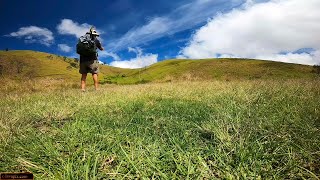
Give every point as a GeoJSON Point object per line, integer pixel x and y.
{"type": "Point", "coordinates": [30, 71]}
{"type": "Point", "coordinates": [213, 69]}
{"type": "Point", "coordinates": [31, 64]}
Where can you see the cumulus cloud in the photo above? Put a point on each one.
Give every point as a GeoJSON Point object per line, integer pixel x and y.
{"type": "Point", "coordinates": [141, 60]}
{"type": "Point", "coordinates": [34, 34]}
{"type": "Point", "coordinates": [109, 54]}
{"type": "Point", "coordinates": [69, 27]}
{"type": "Point", "coordinates": [185, 17]}
{"type": "Point", "coordinates": [64, 48]}
{"type": "Point", "coordinates": [273, 30]}
{"type": "Point", "coordinates": [100, 62]}
{"type": "Point", "coordinates": [301, 58]}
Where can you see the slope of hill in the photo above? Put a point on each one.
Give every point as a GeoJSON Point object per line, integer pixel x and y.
{"type": "Point", "coordinates": [31, 64]}
{"type": "Point", "coordinates": [29, 71]}
{"type": "Point", "coordinates": [208, 69]}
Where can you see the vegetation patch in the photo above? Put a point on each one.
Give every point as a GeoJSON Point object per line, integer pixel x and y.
{"type": "Point", "coordinates": [183, 130]}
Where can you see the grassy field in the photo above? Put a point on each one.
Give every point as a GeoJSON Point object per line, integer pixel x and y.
{"type": "Point", "coordinates": [257, 129]}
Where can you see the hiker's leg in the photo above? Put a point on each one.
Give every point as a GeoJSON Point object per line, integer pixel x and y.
{"type": "Point", "coordinates": [95, 79]}
{"type": "Point", "coordinates": [83, 81]}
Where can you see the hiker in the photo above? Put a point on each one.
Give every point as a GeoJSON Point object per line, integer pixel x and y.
{"type": "Point", "coordinates": [87, 48]}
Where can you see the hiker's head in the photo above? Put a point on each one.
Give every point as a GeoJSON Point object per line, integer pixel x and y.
{"type": "Point", "coordinates": [93, 33]}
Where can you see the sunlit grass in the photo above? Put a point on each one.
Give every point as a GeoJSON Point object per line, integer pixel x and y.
{"type": "Point", "coordinates": [31, 64]}
{"type": "Point", "coordinates": [183, 130]}
{"type": "Point", "coordinates": [208, 69]}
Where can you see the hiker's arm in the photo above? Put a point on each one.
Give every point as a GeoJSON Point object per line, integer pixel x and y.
{"type": "Point", "coordinates": [99, 46]}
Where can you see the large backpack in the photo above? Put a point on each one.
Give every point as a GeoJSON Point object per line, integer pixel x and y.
{"type": "Point", "coordinates": [86, 46]}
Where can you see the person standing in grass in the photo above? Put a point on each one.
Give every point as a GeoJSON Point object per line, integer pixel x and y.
{"type": "Point", "coordinates": [87, 49]}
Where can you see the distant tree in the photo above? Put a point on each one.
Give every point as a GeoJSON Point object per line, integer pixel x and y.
{"type": "Point", "coordinates": [76, 59]}
{"type": "Point", "coordinates": [7, 49]}
{"type": "Point", "coordinates": [64, 58]}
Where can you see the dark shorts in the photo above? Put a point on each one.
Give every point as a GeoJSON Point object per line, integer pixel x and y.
{"type": "Point", "coordinates": [89, 67]}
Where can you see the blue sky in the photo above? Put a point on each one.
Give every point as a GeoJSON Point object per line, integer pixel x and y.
{"type": "Point", "coordinates": [137, 33]}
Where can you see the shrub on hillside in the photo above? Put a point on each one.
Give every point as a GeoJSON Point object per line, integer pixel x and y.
{"type": "Point", "coordinates": [74, 64]}
{"type": "Point", "coordinates": [69, 68]}
{"type": "Point", "coordinates": [1, 70]}
{"type": "Point", "coordinates": [50, 57]}
{"type": "Point", "coordinates": [316, 69]}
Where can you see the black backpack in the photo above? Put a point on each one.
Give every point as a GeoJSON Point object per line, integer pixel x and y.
{"type": "Point", "coordinates": [86, 46]}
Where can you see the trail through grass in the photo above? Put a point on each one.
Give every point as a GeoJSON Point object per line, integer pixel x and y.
{"type": "Point", "coordinates": [186, 130]}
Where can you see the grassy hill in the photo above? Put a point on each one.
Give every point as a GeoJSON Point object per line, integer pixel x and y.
{"type": "Point", "coordinates": [31, 64]}
{"type": "Point", "coordinates": [213, 69]}
{"type": "Point", "coordinates": [30, 70]}
{"type": "Point", "coordinates": [34, 64]}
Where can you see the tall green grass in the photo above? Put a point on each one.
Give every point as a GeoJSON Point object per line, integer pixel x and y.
{"type": "Point", "coordinates": [185, 130]}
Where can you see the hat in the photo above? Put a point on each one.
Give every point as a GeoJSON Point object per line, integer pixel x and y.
{"type": "Point", "coordinates": [93, 31]}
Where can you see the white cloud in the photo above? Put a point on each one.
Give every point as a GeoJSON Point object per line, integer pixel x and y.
{"type": "Point", "coordinates": [141, 60]}
{"type": "Point", "coordinates": [69, 27]}
{"type": "Point", "coordinates": [302, 58]}
{"type": "Point", "coordinates": [100, 62]}
{"type": "Point", "coordinates": [109, 54]}
{"type": "Point", "coordinates": [264, 30]}
{"type": "Point", "coordinates": [137, 50]}
{"type": "Point", "coordinates": [185, 17]}
{"type": "Point", "coordinates": [64, 48]}
{"type": "Point", "coordinates": [34, 34]}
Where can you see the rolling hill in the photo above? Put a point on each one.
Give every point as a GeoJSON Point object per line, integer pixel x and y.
{"type": "Point", "coordinates": [35, 65]}
{"type": "Point", "coordinates": [213, 69]}
{"type": "Point", "coordinates": [32, 64]}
